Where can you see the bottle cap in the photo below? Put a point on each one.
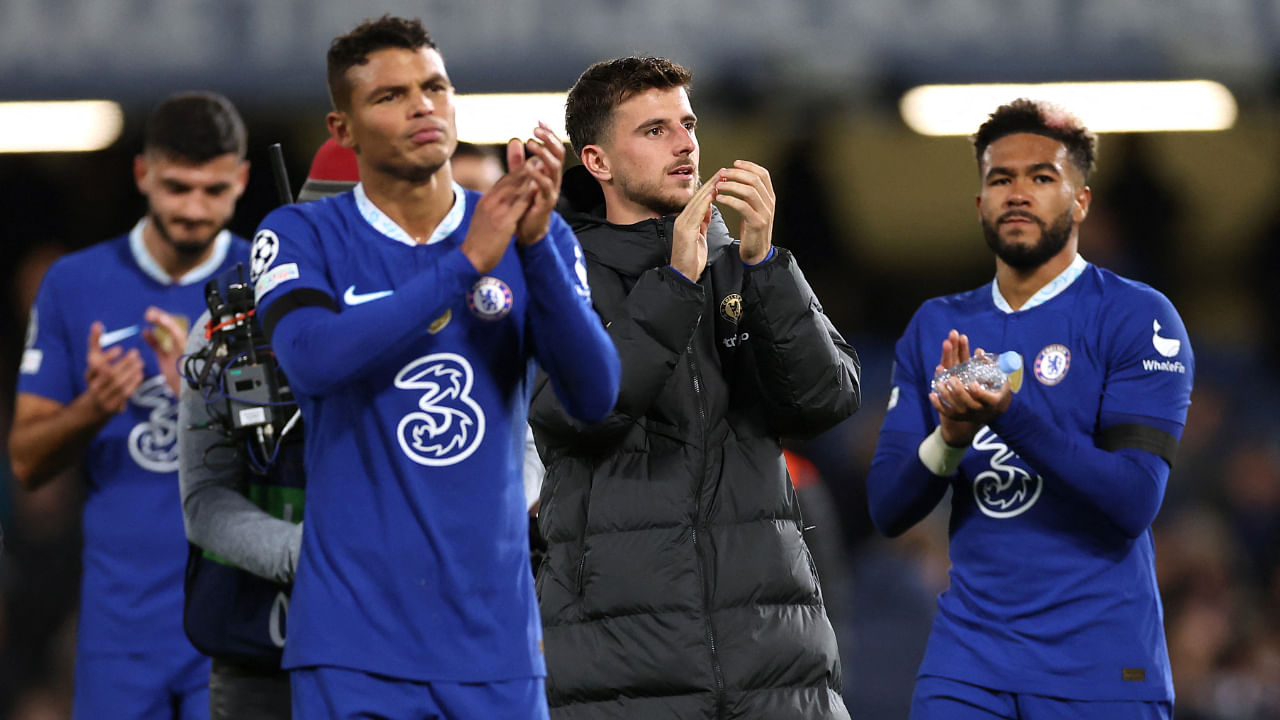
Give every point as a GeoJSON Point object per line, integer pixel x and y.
{"type": "Point", "coordinates": [1009, 362]}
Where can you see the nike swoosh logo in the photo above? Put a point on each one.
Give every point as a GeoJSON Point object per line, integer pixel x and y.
{"type": "Point", "coordinates": [115, 336]}
{"type": "Point", "coordinates": [350, 297]}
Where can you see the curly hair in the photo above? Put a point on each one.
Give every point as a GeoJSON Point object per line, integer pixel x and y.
{"type": "Point", "coordinates": [606, 85]}
{"type": "Point", "coordinates": [347, 51]}
{"type": "Point", "coordinates": [1040, 118]}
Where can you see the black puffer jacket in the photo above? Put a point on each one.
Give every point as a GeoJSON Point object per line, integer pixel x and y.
{"type": "Point", "coordinates": [676, 582]}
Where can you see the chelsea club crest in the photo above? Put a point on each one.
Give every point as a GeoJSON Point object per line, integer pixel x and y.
{"type": "Point", "coordinates": [1052, 364]}
{"type": "Point", "coordinates": [489, 299]}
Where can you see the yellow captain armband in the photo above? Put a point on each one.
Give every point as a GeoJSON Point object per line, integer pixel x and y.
{"type": "Point", "coordinates": [941, 459]}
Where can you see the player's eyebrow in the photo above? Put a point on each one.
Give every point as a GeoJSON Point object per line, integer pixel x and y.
{"type": "Point", "coordinates": [651, 122]}
{"type": "Point", "coordinates": [656, 121]}
{"type": "Point", "coordinates": [1001, 170]}
{"type": "Point", "coordinates": [1044, 167]}
{"type": "Point", "coordinates": [435, 77]}
{"type": "Point", "coordinates": [380, 89]}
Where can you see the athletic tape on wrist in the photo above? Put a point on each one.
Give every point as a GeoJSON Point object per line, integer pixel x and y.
{"type": "Point", "coordinates": [942, 459]}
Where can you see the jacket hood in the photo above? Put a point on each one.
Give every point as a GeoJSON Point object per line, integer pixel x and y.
{"type": "Point", "coordinates": [632, 249]}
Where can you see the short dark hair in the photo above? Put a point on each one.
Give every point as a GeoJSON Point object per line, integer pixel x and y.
{"type": "Point", "coordinates": [1040, 118]}
{"type": "Point", "coordinates": [195, 127]}
{"type": "Point", "coordinates": [606, 85]}
{"type": "Point", "coordinates": [347, 51]}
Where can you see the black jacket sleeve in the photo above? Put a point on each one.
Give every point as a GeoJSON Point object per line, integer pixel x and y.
{"type": "Point", "coordinates": [809, 376]}
{"type": "Point", "coordinates": [651, 326]}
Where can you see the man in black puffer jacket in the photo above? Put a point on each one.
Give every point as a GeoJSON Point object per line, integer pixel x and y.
{"type": "Point", "coordinates": [676, 582]}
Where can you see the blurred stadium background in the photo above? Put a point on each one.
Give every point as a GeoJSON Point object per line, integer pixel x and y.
{"type": "Point", "coordinates": [880, 217]}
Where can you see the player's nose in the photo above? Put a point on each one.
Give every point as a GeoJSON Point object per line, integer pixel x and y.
{"type": "Point", "coordinates": [686, 143]}
{"type": "Point", "coordinates": [1019, 194]}
{"type": "Point", "coordinates": [195, 207]}
{"type": "Point", "coordinates": [422, 104]}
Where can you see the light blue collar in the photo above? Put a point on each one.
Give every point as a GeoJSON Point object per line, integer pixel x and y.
{"type": "Point", "coordinates": [199, 273]}
{"type": "Point", "coordinates": [1052, 289]}
{"type": "Point", "coordinates": [385, 225]}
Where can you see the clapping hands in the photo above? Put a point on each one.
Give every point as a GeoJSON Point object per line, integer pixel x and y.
{"type": "Point", "coordinates": [520, 203]}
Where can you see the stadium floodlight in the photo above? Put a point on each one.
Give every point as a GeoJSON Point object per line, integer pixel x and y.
{"type": "Point", "coordinates": [496, 118]}
{"type": "Point", "coordinates": [59, 126]}
{"type": "Point", "coordinates": [1107, 107]}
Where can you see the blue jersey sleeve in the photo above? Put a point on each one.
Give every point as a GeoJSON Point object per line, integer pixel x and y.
{"type": "Point", "coordinates": [909, 410]}
{"type": "Point", "coordinates": [287, 267]}
{"type": "Point", "coordinates": [1123, 472]}
{"type": "Point", "coordinates": [320, 349]}
{"type": "Point", "coordinates": [901, 491]}
{"type": "Point", "coordinates": [49, 366]}
{"type": "Point", "coordinates": [318, 346]}
{"type": "Point", "coordinates": [569, 340]}
{"type": "Point", "coordinates": [1150, 367]}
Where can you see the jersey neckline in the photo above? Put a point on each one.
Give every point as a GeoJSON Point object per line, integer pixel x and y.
{"type": "Point", "coordinates": [199, 273]}
{"type": "Point", "coordinates": [1051, 289]}
{"type": "Point", "coordinates": [391, 229]}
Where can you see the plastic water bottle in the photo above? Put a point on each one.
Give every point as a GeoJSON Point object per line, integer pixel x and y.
{"type": "Point", "coordinates": [989, 371]}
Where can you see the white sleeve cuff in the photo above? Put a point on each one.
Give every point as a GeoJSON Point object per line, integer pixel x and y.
{"type": "Point", "coordinates": [941, 459]}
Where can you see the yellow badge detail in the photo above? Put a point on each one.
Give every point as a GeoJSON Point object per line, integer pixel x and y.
{"type": "Point", "coordinates": [1015, 379]}
{"type": "Point", "coordinates": [168, 342]}
{"type": "Point", "coordinates": [438, 324]}
{"type": "Point", "coordinates": [731, 307]}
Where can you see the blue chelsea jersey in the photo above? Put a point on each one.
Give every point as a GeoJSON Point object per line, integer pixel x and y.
{"type": "Point", "coordinates": [415, 559]}
{"type": "Point", "coordinates": [1045, 596]}
{"type": "Point", "coordinates": [134, 545]}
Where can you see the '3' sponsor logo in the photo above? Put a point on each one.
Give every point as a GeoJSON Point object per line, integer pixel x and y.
{"type": "Point", "coordinates": [1004, 490]}
{"type": "Point", "coordinates": [153, 443]}
{"type": "Point", "coordinates": [449, 424]}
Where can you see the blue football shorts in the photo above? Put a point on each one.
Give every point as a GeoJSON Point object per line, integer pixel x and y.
{"type": "Point", "coordinates": [938, 698]}
{"type": "Point", "coordinates": [342, 694]}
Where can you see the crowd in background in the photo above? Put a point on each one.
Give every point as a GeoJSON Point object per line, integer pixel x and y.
{"type": "Point", "coordinates": [1217, 535]}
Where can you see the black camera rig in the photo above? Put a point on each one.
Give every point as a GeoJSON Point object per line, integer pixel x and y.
{"type": "Point", "coordinates": [237, 373]}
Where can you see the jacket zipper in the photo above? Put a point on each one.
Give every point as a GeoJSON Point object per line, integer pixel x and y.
{"type": "Point", "coordinates": [696, 379]}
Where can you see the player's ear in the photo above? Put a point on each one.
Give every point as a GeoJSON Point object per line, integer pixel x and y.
{"type": "Point", "coordinates": [1080, 206]}
{"type": "Point", "coordinates": [340, 128]}
{"type": "Point", "coordinates": [140, 172]}
{"type": "Point", "coordinates": [982, 186]}
{"type": "Point", "coordinates": [597, 163]}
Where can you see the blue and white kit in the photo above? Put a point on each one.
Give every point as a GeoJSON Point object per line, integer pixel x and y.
{"type": "Point", "coordinates": [135, 549]}
{"type": "Point", "coordinates": [1052, 586]}
{"type": "Point", "coordinates": [413, 373]}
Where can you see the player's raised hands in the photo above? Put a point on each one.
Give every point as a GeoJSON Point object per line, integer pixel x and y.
{"type": "Point", "coordinates": [747, 188]}
{"type": "Point", "coordinates": [112, 375]}
{"type": "Point", "coordinates": [545, 163]}
{"type": "Point", "coordinates": [167, 336]}
{"type": "Point", "coordinates": [497, 214]}
{"type": "Point", "coordinates": [964, 409]}
{"type": "Point", "coordinates": [689, 240]}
